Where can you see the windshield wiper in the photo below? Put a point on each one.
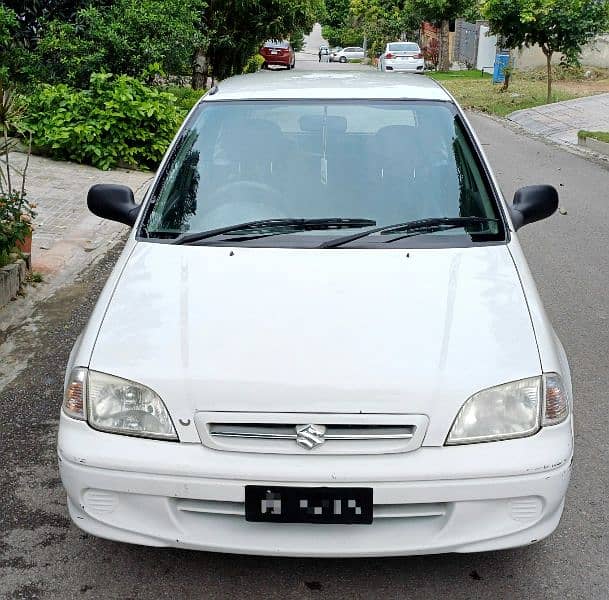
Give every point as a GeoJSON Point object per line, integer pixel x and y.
{"type": "Point", "coordinates": [412, 227]}
{"type": "Point", "coordinates": [275, 226]}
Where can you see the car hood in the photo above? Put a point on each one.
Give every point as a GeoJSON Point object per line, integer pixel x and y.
{"type": "Point", "coordinates": [310, 331]}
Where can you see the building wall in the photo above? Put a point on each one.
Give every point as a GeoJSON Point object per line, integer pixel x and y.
{"type": "Point", "coordinates": [595, 54]}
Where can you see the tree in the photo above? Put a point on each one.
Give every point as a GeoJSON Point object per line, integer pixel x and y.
{"type": "Point", "coordinates": [337, 24]}
{"type": "Point", "coordinates": [235, 29]}
{"type": "Point", "coordinates": [32, 14]}
{"type": "Point", "coordinates": [124, 38]}
{"type": "Point", "coordinates": [442, 11]}
{"type": "Point", "coordinates": [382, 21]}
{"type": "Point", "coordinates": [557, 26]}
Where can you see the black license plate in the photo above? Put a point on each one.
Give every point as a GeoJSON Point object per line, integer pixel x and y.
{"type": "Point", "coordinates": [276, 504]}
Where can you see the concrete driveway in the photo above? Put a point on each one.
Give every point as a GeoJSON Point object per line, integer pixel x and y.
{"type": "Point", "coordinates": [561, 121]}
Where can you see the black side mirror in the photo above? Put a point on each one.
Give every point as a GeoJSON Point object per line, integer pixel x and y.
{"type": "Point", "coordinates": [533, 203]}
{"type": "Point", "coordinates": [114, 202]}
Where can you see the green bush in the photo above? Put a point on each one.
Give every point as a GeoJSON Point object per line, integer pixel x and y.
{"type": "Point", "coordinates": [117, 121]}
{"type": "Point", "coordinates": [16, 216]}
{"type": "Point", "coordinates": [16, 213]}
{"type": "Point", "coordinates": [123, 37]}
{"type": "Point", "coordinates": [253, 64]}
{"type": "Point", "coordinates": [297, 40]}
{"type": "Point", "coordinates": [186, 97]}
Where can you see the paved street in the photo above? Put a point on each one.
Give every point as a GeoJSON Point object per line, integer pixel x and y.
{"type": "Point", "coordinates": [561, 121]}
{"type": "Point", "coordinates": [42, 555]}
{"type": "Point", "coordinates": [308, 59]}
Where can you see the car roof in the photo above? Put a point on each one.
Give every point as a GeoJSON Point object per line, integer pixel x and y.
{"type": "Point", "coordinates": [316, 85]}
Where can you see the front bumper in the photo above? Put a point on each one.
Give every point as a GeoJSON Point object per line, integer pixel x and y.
{"type": "Point", "coordinates": [432, 500]}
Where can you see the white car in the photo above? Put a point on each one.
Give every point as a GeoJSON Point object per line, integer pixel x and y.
{"type": "Point", "coordinates": [347, 54]}
{"type": "Point", "coordinates": [402, 56]}
{"type": "Point", "coordinates": [322, 337]}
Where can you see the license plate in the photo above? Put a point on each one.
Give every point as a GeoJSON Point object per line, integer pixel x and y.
{"type": "Point", "coordinates": [276, 504]}
{"type": "Point", "coordinates": [274, 52]}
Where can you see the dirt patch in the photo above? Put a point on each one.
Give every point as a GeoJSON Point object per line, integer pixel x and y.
{"type": "Point", "coordinates": [583, 88]}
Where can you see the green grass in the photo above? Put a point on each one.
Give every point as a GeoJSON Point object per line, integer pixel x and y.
{"type": "Point", "coordinates": [479, 93]}
{"type": "Point", "coordinates": [448, 75]}
{"type": "Point", "coordinates": [601, 136]}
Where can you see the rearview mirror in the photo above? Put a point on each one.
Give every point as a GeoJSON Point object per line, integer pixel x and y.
{"type": "Point", "coordinates": [533, 203]}
{"type": "Point", "coordinates": [114, 202]}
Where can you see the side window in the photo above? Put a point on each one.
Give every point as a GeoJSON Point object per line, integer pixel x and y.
{"type": "Point", "coordinates": [474, 198]}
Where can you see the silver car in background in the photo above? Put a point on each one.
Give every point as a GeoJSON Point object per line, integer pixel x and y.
{"type": "Point", "coordinates": [347, 54]}
{"type": "Point", "coordinates": [402, 56]}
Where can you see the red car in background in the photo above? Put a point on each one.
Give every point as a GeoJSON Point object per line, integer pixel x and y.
{"type": "Point", "coordinates": [276, 52]}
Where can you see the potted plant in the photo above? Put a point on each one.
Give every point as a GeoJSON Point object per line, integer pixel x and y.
{"type": "Point", "coordinates": [16, 213]}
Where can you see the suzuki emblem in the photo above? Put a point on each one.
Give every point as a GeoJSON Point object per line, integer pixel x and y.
{"type": "Point", "coordinates": [310, 436]}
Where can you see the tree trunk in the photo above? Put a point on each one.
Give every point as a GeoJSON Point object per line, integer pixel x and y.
{"type": "Point", "coordinates": [200, 69]}
{"type": "Point", "coordinates": [444, 57]}
{"type": "Point", "coordinates": [548, 54]}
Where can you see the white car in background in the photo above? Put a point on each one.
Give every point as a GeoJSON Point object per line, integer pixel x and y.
{"type": "Point", "coordinates": [402, 56]}
{"type": "Point", "coordinates": [322, 337]}
{"type": "Point", "coordinates": [347, 54]}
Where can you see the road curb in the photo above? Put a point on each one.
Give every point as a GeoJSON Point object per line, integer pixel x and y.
{"type": "Point", "coordinates": [11, 278]}
{"type": "Point", "coordinates": [600, 159]}
{"type": "Point", "coordinates": [594, 145]}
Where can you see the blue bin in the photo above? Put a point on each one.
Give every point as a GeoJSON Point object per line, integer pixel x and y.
{"type": "Point", "coordinates": [501, 62]}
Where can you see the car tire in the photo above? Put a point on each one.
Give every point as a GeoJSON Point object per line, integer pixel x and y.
{"type": "Point", "coordinates": [265, 66]}
{"type": "Point", "coordinates": [342, 59]}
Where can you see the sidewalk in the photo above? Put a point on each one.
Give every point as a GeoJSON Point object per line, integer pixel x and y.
{"type": "Point", "coordinates": [561, 121]}
{"type": "Point", "coordinates": [67, 236]}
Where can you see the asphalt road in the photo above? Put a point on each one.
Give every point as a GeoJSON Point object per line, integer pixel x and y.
{"type": "Point", "coordinates": [42, 555]}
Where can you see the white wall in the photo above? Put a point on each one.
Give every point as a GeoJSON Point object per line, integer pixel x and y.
{"type": "Point", "coordinates": [595, 54]}
{"type": "Point", "coordinates": [487, 49]}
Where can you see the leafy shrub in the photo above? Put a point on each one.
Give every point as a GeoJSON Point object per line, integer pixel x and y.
{"type": "Point", "coordinates": [297, 40]}
{"type": "Point", "coordinates": [16, 213]}
{"type": "Point", "coordinates": [186, 97]}
{"type": "Point", "coordinates": [431, 53]}
{"type": "Point", "coordinates": [122, 37]}
{"type": "Point", "coordinates": [118, 120]}
{"type": "Point", "coordinates": [16, 216]}
{"type": "Point", "coordinates": [253, 64]}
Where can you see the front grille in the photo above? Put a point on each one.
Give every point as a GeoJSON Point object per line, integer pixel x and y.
{"type": "Point", "coordinates": [380, 511]}
{"type": "Point", "coordinates": [331, 433]}
{"type": "Point", "coordinates": [319, 434]}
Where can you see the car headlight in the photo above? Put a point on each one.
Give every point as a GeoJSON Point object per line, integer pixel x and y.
{"type": "Point", "coordinates": [117, 405]}
{"type": "Point", "coordinates": [512, 410]}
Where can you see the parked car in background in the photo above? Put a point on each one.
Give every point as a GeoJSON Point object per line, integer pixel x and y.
{"type": "Point", "coordinates": [347, 54]}
{"type": "Point", "coordinates": [278, 53]}
{"type": "Point", "coordinates": [402, 56]}
{"type": "Point", "coordinates": [334, 51]}
{"type": "Point", "coordinates": [322, 337]}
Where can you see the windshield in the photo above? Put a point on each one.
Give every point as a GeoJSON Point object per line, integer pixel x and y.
{"type": "Point", "coordinates": [276, 44]}
{"type": "Point", "coordinates": [389, 162]}
{"type": "Point", "coordinates": [403, 47]}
